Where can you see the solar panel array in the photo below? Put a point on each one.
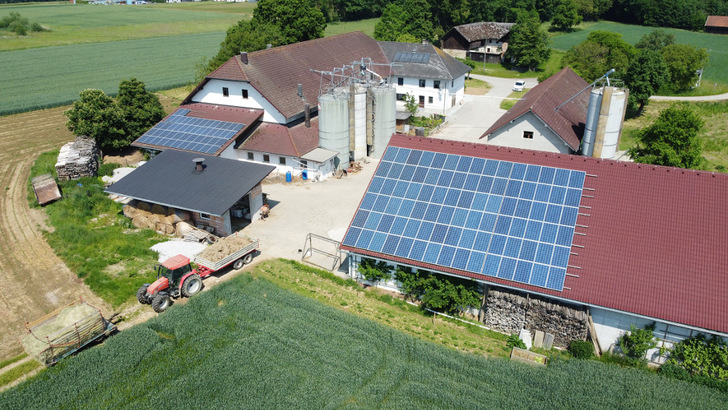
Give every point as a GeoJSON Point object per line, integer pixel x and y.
{"type": "Point", "coordinates": [497, 218]}
{"type": "Point", "coordinates": [190, 133]}
{"type": "Point", "coordinates": [407, 57]}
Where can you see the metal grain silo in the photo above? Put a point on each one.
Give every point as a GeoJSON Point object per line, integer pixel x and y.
{"type": "Point", "coordinates": [358, 106]}
{"type": "Point", "coordinates": [334, 126]}
{"type": "Point", "coordinates": [385, 118]}
{"type": "Point", "coordinates": [604, 120]}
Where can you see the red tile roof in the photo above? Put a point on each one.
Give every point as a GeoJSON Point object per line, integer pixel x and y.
{"type": "Point", "coordinates": [654, 238]}
{"type": "Point", "coordinates": [293, 141]}
{"type": "Point", "coordinates": [276, 72]}
{"type": "Point", "coordinates": [716, 21]}
{"type": "Point", "coordinates": [543, 99]}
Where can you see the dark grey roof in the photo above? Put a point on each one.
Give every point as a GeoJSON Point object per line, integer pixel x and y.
{"type": "Point", "coordinates": [439, 66]}
{"type": "Point", "coordinates": [170, 179]}
{"type": "Point", "coordinates": [483, 30]}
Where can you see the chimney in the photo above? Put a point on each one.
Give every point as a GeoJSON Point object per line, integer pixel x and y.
{"type": "Point", "coordinates": [300, 90]}
{"type": "Point", "coordinates": [198, 164]}
{"type": "Point", "coordinates": [244, 57]}
{"type": "Point", "coordinates": [307, 115]}
{"type": "Point", "coordinates": [269, 46]}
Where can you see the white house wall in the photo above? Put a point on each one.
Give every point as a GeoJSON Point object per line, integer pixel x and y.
{"type": "Point", "coordinates": [544, 139]}
{"type": "Point", "coordinates": [212, 93]}
{"type": "Point", "coordinates": [293, 164]}
{"type": "Point", "coordinates": [441, 97]}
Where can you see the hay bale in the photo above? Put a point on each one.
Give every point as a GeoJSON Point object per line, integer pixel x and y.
{"type": "Point", "coordinates": [140, 221]}
{"type": "Point", "coordinates": [181, 216]}
{"type": "Point", "coordinates": [129, 210]}
{"type": "Point", "coordinates": [170, 211]}
{"type": "Point", "coordinates": [169, 219]}
{"type": "Point", "coordinates": [168, 229]}
{"type": "Point", "coordinates": [183, 228]}
{"type": "Point", "coordinates": [143, 206]}
{"type": "Point", "coordinates": [159, 210]}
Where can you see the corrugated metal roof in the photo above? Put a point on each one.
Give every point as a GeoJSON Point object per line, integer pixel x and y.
{"type": "Point", "coordinates": [439, 65]}
{"type": "Point", "coordinates": [568, 122]}
{"type": "Point", "coordinates": [652, 239]}
{"type": "Point", "coordinates": [483, 30]}
{"type": "Point", "coordinates": [170, 179]}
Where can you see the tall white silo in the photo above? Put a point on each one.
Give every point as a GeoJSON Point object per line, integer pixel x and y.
{"type": "Point", "coordinates": [604, 120]}
{"type": "Point", "coordinates": [385, 118]}
{"type": "Point", "coordinates": [359, 117]}
{"type": "Point", "coordinates": [334, 126]}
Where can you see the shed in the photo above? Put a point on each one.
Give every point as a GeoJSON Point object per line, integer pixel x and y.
{"type": "Point", "coordinates": [716, 24]}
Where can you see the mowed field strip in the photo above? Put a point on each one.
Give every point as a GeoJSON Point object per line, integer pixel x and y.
{"type": "Point", "coordinates": [716, 44]}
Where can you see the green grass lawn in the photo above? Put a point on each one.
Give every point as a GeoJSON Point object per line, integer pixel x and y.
{"type": "Point", "coordinates": [365, 26]}
{"type": "Point", "coordinates": [512, 99]}
{"type": "Point", "coordinates": [257, 345]}
{"type": "Point", "coordinates": [717, 45]}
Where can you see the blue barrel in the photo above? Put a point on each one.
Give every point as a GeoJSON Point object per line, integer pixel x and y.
{"type": "Point", "coordinates": [304, 174]}
{"type": "Point", "coordinates": [288, 176]}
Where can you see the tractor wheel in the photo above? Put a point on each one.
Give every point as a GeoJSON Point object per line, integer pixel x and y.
{"type": "Point", "coordinates": [142, 295]}
{"type": "Point", "coordinates": [247, 258]}
{"type": "Point", "coordinates": [161, 302]}
{"type": "Point", "coordinates": [191, 286]}
{"type": "Point", "coordinates": [238, 264]}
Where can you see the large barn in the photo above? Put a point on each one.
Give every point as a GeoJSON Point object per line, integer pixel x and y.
{"type": "Point", "coordinates": [611, 243]}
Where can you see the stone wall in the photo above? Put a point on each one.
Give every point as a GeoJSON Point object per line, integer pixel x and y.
{"type": "Point", "coordinates": [509, 311]}
{"type": "Point", "coordinates": [77, 159]}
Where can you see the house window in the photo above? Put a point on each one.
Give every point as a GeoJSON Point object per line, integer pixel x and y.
{"type": "Point", "coordinates": [429, 100]}
{"type": "Point", "coordinates": [245, 94]}
{"type": "Point", "coordinates": [422, 83]}
{"type": "Point", "coordinates": [225, 92]}
{"type": "Point", "coordinates": [400, 97]}
{"type": "Point", "coordinates": [205, 216]}
{"type": "Point", "coordinates": [528, 135]}
{"type": "Point", "coordinates": [304, 163]}
{"type": "Point", "coordinates": [282, 160]}
{"type": "Point", "coordinates": [400, 81]}
{"type": "Point", "coordinates": [266, 158]}
{"type": "Point", "coordinates": [436, 84]}
{"type": "Point", "coordinates": [422, 101]}
{"type": "Point", "coordinates": [452, 83]}
{"type": "Point", "coordinates": [251, 157]}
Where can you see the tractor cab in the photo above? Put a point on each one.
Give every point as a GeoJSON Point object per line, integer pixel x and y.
{"type": "Point", "coordinates": [174, 269]}
{"type": "Point", "coordinates": [175, 278]}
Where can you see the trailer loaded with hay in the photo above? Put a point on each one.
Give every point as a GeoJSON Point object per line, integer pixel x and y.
{"type": "Point", "coordinates": [65, 331]}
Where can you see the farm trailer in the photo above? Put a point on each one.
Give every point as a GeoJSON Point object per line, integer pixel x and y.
{"type": "Point", "coordinates": [65, 331]}
{"type": "Point", "coordinates": [176, 277]}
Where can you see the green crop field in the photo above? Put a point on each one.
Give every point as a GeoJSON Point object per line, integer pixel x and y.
{"type": "Point", "coordinates": [717, 45]}
{"type": "Point", "coordinates": [248, 343]}
{"type": "Point", "coordinates": [52, 76]}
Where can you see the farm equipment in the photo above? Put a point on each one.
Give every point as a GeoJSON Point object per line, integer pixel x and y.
{"type": "Point", "coordinates": [176, 277]}
{"type": "Point", "coordinates": [65, 331]}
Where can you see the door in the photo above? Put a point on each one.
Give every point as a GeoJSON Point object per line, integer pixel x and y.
{"type": "Point", "coordinates": [422, 101]}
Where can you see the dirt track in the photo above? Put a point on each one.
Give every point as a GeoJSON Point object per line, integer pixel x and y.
{"type": "Point", "coordinates": [33, 280]}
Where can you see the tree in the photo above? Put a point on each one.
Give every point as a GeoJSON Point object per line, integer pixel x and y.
{"type": "Point", "coordinates": [96, 115]}
{"type": "Point", "coordinates": [656, 40]}
{"type": "Point", "coordinates": [411, 17]}
{"type": "Point", "coordinates": [600, 52]}
{"type": "Point", "coordinates": [247, 35]}
{"type": "Point", "coordinates": [646, 74]}
{"type": "Point", "coordinates": [298, 20]}
{"type": "Point", "coordinates": [565, 15]}
{"type": "Point", "coordinates": [140, 109]}
{"type": "Point", "coordinates": [592, 9]}
{"type": "Point", "coordinates": [374, 271]}
{"type": "Point", "coordinates": [410, 104]}
{"type": "Point", "coordinates": [672, 140]}
{"type": "Point", "coordinates": [528, 45]}
{"type": "Point", "coordinates": [637, 342]}
{"type": "Point", "coordinates": [683, 62]}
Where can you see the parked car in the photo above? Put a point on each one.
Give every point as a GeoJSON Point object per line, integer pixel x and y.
{"type": "Point", "coordinates": [519, 85]}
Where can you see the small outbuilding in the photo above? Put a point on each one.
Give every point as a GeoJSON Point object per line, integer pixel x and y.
{"type": "Point", "coordinates": [217, 193]}
{"type": "Point", "coordinates": [716, 24]}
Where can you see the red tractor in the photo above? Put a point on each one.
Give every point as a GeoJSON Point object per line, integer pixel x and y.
{"type": "Point", "coordinates": [175, 278]}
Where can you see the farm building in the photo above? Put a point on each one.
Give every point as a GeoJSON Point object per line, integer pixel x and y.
{"type": "Point", "coordinates": [214, 192]}
{"type": "Point", "coordinates": [482, 41]}
{"type": "Point", "coordinates": [557, 114]}
{"type": "Point", "coordinates": [716, 24]}
{"type": "Point", "coordinates": [435, 79]}
{"type": "Point", "coordinates": [562, 244]}
{"type": "Point", "coordinates": [271, 103]}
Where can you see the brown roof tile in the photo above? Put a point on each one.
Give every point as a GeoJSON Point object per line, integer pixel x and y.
{"type": "Point", "coordinates": [279, 139]}
{"type": "Point", "coordinates": [543, 99]}
{"type": "Point", "coordinates": [716, 21]}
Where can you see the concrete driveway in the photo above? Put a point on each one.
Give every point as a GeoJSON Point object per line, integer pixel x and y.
{"type": "Point", "coordinates": [468, 121]}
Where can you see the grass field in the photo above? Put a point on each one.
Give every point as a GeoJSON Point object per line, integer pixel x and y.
{"type": "Point", "coordinates": [252, 344]}
{"type": "Point", "coordinates": [365, 26]}
{"type": "Point", "coordinates": [82, 23]}
{"type": "Point", "coordinates": [717, 45]}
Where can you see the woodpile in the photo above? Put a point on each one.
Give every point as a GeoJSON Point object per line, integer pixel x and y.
{"type": "Point", "coordinates": [77, 159]}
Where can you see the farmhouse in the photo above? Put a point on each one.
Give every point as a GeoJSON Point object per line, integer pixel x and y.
{"type": "Point", "coordinates": [214, 192]}
{"type": "Point", "coordinates": [563, 244]}
{"type": "Point", "coordinates": [267, 106]}
{"type": "Point", "coordinates": [436, 80]}
{"type": "Point", "coordinates": [483, 41]}
{"type": "Point", "coordinates": [716, 24]}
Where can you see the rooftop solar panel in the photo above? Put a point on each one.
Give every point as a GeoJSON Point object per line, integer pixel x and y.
{"type": "Point", "coordinates": [190, 133]}
{"type": "Point", "coordinates": [497, 218]}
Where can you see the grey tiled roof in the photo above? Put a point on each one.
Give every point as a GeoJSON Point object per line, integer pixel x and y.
{"type": "Point", "coordinates": [483, 30]}
{"type": "Point", "coordinates": [440, 65]}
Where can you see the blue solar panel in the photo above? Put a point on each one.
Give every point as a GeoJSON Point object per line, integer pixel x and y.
{"type": "Point", "coordinates": [503, 219]}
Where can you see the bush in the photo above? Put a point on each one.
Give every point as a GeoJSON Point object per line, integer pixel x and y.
{"type": "Point", "coordinates": [515, 341]}
{"type": "Point", "coordinates": [36, 27]}
{"type": "Point", "coordinates": [581, 349]}
{"type": "Point", "coordinates": [374, 271]}
{"type": "Point", "coordinates": [637, 342]}
{"type": "Point", "coordinates": [107, 170]}
{"type": "Point", "coordinates": [675, 371]}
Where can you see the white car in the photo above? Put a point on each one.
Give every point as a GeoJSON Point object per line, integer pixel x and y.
{"type": "Point", "coordinates": [519, 85]}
